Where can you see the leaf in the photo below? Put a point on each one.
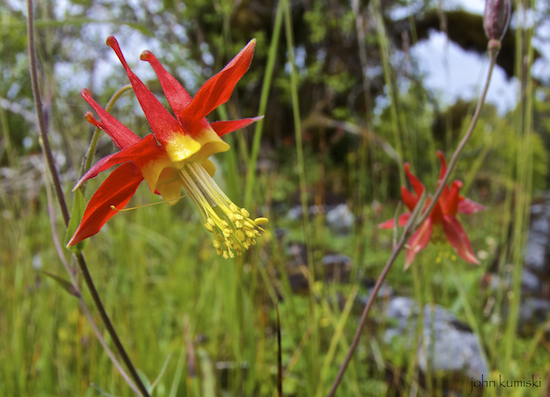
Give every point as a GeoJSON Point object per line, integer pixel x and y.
{"type": "Point", "coordinates": [66, 285]}
{"type": "Point", "coordinates": [144, 379]}
{"type": "Point", "coordinates": [152, 387]}
{"type": "Point", "coordinates": [77, 212]}
{"type": "Point", "coordinates": [209, 378]}
{"type": "Point", "coordinates": [102, 392]}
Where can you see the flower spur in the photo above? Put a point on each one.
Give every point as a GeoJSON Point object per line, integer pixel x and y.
{"type": "Point", "coordinates": [181, 158]}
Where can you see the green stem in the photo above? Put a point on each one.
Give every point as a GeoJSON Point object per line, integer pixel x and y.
{"type": "Point", "coordinates": [314, 357]}
{"type": "Point", "coordinates": [384, 50]}
{"type": "Point", "coordinates": [266, 85]}
{"type": "Point", "coordinates": [523, 186]}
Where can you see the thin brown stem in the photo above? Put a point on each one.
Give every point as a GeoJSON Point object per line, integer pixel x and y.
{"type": "Point", "coordinates": [279, 355]}
{"type": "Point", "coordinates": [107, 323]}
{"type": "Point", "coordinates": [456, 154]}
{"type": "Point", "coordinates": [41, 120]}
{"type": "Point", "coordinates": [63, 205]}
{"type": "Point", "coordinates": [397, 249]}
{"type": "Point", "coordinates": [412, 220]}
{"type": "Point", "coordinates": [77, 293]}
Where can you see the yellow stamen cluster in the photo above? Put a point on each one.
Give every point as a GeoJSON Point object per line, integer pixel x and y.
{"type": "Point", "coordinates": [232, 228]}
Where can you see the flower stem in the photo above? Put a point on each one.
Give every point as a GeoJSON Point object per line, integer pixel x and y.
{"type": "Point", "coordinates": [107, 323]}
{"type": "Point", "coordinates": [77, 293]}
{"type": "Point", "coordinates": [41, 120]}
{"type": "Point", "coordinates": [456, 154]}
{"type": "Point", "coordinates": [63, 205]}
{"type": "Point", "coordinates": [408, 227]}
{"type": "Point", "coordinates": [397, 249]}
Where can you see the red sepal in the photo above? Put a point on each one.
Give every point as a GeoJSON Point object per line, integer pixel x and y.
{"type": "Point", "coordinates": [408, 198]}
{"type": "Point", "coordinates": [468, 207]}
{"type": "Point", "coordinates": [177, 96]}
{"type": "Point", "coordinates": [443, 164]}
{"type": "Point", "coordinates": [163, 124]}
{"type": "Point", "coordinates": [451, 205]}
{"type": "Point", "coordinates": [225, 127]}
{"type": "Point", "coordinates": [121, 135]}
{"type": "Point", "coordinates": [418, 241]}
{"type": "Point", "coordinates": [117, 190]}
{"type": "Point", "coordinates": [401, 221]}
{"type": "Point", "coordinates": [459, 239]}
{"type": "Point", "coordinates": [219, 87]}
{"type": "Point", "coordinates": [141, 153]}
{"type": "Point", "coordinates": [416, 184]}
{"type": "Point", "coordinates": [437, 214]}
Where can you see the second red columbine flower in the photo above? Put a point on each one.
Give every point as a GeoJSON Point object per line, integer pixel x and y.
{"type": "Point", "coordinates": [175, 156]}
{"type": "Point", "coordinates": [442, 221]}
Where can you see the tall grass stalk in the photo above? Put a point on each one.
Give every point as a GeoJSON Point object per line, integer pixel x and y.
{"type": "Point", "coordinates": [524, 166]}
{"type": "Point", "coordinates": [386, 57]}
{"type": "Point", "coordinates": [313, 356]}
{"type": "Point", "coordinates": [266, 86]}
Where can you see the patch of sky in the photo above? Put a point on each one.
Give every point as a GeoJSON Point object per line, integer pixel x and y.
{"type": "Point", "coordinates": [188, 76]}
{"type": "Point", "coordinates": [132, 44]}
{"type": "Point", "coordinates": [454, 73]}
{"type": "Point", "coordinates": [71, 77]}
{"type": "Point", "coordinates": [299, 61]}
{"type": "Point", "coordinates": [472, 6]}
{"type": "Point", "coordinates": [399, 12]}
{"type": "Point", "coordinates": [527, 18]}
{"type": "Point", "coordinates": [207, 58]}
{"type": "Point", "coordinates": [66, 9]}
{"type": "Point", "coordinates": [321, 55]}
{"type": "Point", "coordinates": [13, 90]}
{"type": "Point", "coordinates": [17, 5]}
{"type": "Point", "coordinates": [381, 102]}
{"type": "Point", "coordinates": [180, 33]}
{"type": "Point", "coordinates": [459, 74]}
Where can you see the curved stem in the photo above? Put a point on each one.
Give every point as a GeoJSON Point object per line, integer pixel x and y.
{"type": "Point", "coordinates": [63, 205]}
{"type": "Point", "coordinates": [108, 325]}
{"type": "Point", "coordinates": [397, 249]}
{"type": "Point", "coordinates": [76, 291]}
{"type": "Point", "coordinates": [408, 227]}
{"type": "Point", "coordinates": [41, 121]}
{"type": "Point", "coordinates": [442, 183]}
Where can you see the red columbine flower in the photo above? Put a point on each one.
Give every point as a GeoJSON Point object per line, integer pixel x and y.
{"type": "Point", "coordinates": [181, 158]}
{"type": "Point", "coordinates": [441, 220]}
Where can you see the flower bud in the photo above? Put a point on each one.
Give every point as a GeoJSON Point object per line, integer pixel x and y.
{"type": "Point", "coordinates": [496, 18]}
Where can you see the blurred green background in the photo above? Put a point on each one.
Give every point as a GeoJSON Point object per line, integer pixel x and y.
{"type": "Point", "coordinates": [345, 105]}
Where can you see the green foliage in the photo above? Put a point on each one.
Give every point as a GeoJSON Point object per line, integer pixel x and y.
{"type": "Point", "coordinates": [164, 287]}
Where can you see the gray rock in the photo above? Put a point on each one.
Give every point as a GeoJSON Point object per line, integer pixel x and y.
{"type": "Point", "coordinates": [445, 344]}
{"type": "Point", "coordinates": [340, 219]}
{"type": "Point", "coordinates": [336, 268]}
{"type": "Point", "coordinates": [538, 240]}
{"type": "Point", "coordinates": [534, 311]}
{"type": "Point", "coordinates": [530, 283]}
